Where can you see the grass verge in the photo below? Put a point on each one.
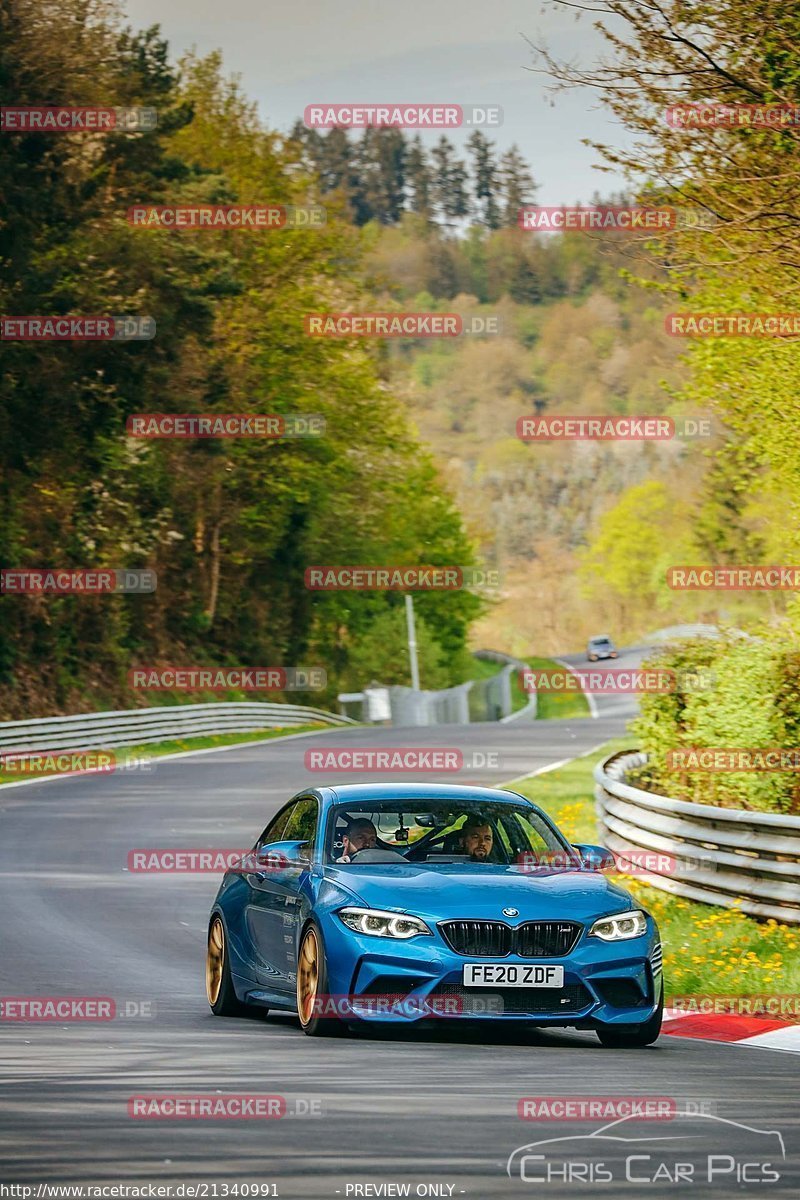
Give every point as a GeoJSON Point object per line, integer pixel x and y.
{"type": "Point", "coordinates": [707, 950]}
{"type": "Point", "coordinates": [555, 705]}
{"type": "Point", "coordinates": [129, 754]}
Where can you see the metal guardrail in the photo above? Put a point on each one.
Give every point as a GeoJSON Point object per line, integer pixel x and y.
{"type": "Point", "coordinates": [447, 706]}
{"type": "Point", "coordinates": [140, 726]}
{"type": "Point", "coordinates": [467, 703]}
{"type": "Point", "coordinates": [530, 710]}
{"type": "Point", "coordinates": [722, 856]}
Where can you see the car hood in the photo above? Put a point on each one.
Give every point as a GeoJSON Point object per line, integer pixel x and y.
{"type": "Point", "coordinates": [481, 891]}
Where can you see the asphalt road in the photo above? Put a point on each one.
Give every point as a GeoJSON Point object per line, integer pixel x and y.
{"type": "Point", "coordinates": [620, 705]}
{"type": "Point", "coordinates": [415, 1108]}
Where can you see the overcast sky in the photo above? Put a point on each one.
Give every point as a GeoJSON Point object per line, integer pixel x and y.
{"type": "Point", "coordinates": [461, 51]}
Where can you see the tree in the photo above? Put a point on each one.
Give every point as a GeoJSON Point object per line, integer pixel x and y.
{"type": "Point", "coordinates": [743, 178]}
{"type": "Point", "coordinates": [485, 180]}
{"type": "Point", "coordinates": [381, 170]}
{"type": "Point", "coordinates": [626, 561]}
{"type": "Point", "coordinates": [449, 182]}
{"type": "Point", "coordinates": [419, 179]}
{"type": "Point", "coordinates": [516, 184]}
{"type": "Point", "coordinates": [228, 526]}
{"type": "Point", "coordinates": [381, 654]}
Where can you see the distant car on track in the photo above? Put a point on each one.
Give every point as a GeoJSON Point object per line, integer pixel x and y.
{"type": "Point", "coordinates": [395, 903]}
{"type": "Point", "coordinates": [600, 647]}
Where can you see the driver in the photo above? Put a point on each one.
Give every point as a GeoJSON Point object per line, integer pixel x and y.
{"type": "Point", "coordinates": [476, 838]}
{"type": "Point", "coordinates": [360, 834]}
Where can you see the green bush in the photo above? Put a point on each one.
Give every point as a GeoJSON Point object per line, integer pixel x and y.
{"type": "Point", "coordinates": [751, 700]}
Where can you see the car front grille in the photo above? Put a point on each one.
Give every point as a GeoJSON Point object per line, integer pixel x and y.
{"type": "Point", "coordinates": [491, 939]}
{"type": "Point", "coordinates": [495, 939]}
{"type": "Point", "coordinates": [515, 1002]}
{"type": "Point", "coordinates": [545, 939]}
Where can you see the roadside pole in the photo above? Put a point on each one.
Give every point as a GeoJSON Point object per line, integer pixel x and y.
{"type": "Point", "coordinates": [412, 642]}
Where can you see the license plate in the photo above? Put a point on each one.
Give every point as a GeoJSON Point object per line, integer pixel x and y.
{"type": "Point", "coordinates": [511, 975]}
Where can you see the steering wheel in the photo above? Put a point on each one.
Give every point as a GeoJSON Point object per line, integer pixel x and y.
{"type": "Point", "coordinates": [376, 854]}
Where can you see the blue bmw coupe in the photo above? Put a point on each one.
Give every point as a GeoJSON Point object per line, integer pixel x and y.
{"type": "Point", "coordinates": [400, 903]}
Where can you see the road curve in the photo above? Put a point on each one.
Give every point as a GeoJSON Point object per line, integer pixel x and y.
{"type": "Point", "coordinates": [619, 705]}
{"type": "Point", "coordinates": [413, 1108]}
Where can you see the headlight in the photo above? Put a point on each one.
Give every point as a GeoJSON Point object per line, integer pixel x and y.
{"type": "Point", "coordinates": [620, 927]}
{"type": "Point", "coordinates": [382, 924]}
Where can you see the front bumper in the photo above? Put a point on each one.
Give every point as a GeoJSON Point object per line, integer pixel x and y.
{"type": "Point", "coordinates": [401, 982]}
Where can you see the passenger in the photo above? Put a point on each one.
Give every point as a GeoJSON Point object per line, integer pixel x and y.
{"type": "Point", "coordinates": [360, 834]}
{"type": "Point", "coordinates": [476, 839]}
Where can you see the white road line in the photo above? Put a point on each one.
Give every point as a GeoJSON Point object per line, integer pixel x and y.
{"type": "Point", "coordinates": [590, 700]}
{"type": "Point", "coordinates": [554, 766]}
{"type": "Point", "coordinates": [539, 771]}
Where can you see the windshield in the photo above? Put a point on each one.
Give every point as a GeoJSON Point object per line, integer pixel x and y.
{"type": "Point", "coordinates": [440, 832]}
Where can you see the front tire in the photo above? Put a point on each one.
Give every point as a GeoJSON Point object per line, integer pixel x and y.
{"type": "Point", "coordinates": [623, 1037]}
{"type": "Point", "coordinates": [312, 985]}
{"type": "Point", "coordinates": [219, 984]}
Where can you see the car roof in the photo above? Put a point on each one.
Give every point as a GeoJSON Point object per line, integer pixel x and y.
{"type": "Point", "coordinates": [341, 793]}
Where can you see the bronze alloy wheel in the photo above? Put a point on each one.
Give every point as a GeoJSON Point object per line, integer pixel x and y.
{"type": "Point", "coordinates": [308, 969]}
{"type": "Point", "coordinates": [215, 960]}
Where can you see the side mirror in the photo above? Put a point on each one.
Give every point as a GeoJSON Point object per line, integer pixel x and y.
{"type": "Point", "coordinates": [596, 858]}
{"type": "Point", "coordinates": [280, 856]}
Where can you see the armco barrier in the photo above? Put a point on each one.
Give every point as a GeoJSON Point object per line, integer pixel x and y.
{"type": "Point", "coordinates": [466, 703]}
{"type": "Point", "coordinates": [723, 856]}
{"type": "Point", "coordinates": [139, 726]}
{"type": "Point", "coordinates": [528, 713]}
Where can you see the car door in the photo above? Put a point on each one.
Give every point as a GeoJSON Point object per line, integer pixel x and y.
{"type": "Point", "coordinates": [273, 906]}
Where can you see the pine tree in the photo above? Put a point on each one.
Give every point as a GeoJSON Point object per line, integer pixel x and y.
{"type": "Point", "coordinates": [449, 182]}
{"type": "Point", "coordinates": [419, 180]}
{"type": "Point", "coordinates": [516, 182]}
{"type": "Point", "coordinates": [389, 147]}
{"type": "Point", "coordinates": [486, 184]}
